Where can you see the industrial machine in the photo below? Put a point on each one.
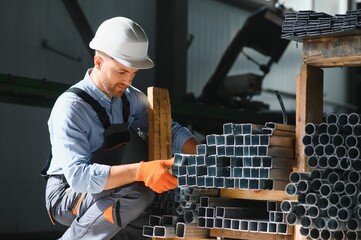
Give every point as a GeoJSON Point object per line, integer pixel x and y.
{"type": "Point", "coordinates": [262, 33]}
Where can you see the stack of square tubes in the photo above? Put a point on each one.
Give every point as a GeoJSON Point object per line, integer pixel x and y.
{"type": "Point", "coordinates": [175, 214]}
{"type": "Point", "coordinates": [329, 197]}
{"type": "Point", "coordinates": [245, 156]}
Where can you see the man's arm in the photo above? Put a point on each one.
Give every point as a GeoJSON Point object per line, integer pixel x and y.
{"type": "Point", "coordinates": [120, 175]}
{"type": "Point", "coordinates": [154, 174]}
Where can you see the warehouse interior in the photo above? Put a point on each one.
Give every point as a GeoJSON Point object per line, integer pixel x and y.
{"type": "Point", "coordinates": [45, 50]}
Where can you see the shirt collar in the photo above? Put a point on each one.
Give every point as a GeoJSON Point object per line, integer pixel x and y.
{"type": "Point", "coordinates": [88, 83]}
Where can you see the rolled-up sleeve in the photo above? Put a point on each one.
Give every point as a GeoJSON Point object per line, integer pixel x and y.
{"type": "Point", "coordinates": [180, 134]}
{"type": "Point", "coordinates": [72, 150]}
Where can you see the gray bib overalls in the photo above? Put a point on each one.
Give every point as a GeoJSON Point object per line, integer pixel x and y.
{"type": "Point", "coordinates": [102, 215]}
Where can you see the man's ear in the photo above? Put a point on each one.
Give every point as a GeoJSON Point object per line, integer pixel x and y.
{"type": "Point", "coordinates": [98, 61]}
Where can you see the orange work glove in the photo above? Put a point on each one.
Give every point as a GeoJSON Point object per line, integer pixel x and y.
{"type": "Point", "coordinates": [155, 175]}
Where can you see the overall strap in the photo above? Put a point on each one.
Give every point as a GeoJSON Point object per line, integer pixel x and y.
{"type": "Point", "coordinates": [102, 114]}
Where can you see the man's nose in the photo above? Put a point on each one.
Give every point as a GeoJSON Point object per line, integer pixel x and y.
{"type": "Point", "coordinates": [128, 80]}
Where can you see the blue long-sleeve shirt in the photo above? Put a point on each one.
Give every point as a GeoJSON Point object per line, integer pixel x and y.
{"type": "Point", "coordinates": [76, 133]}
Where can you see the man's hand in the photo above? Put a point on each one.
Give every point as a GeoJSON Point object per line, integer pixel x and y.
{"type": "Point", "coordinates": [155, 175]}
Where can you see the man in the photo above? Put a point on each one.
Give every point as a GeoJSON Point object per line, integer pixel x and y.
{"type": "Point", "coordinates": [93, 185]}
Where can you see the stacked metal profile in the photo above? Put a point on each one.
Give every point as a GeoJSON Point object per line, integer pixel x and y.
{"type": "Point", "coordinates": [242, 215]}
{"type": "Point", "coordinates": [307, 24]}
{"type": "Point", "coordinates": [245, 156]}
{"type": "Point", "coordinates": [175, 214]}
{"type": "Point", "coordinates": [329, 197]}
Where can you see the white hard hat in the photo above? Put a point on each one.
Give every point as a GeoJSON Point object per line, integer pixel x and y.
{"type": "Point", "coordinates": [125, 41]}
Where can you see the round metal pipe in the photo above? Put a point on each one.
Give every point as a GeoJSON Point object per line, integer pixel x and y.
{"type": "Point", "coordinates": [312, 198]}
{"type": "Point", "coordinates": [342, 119]}
{"type": "Point", "coordinates": [346, 201]}
{"type": "Point", "coordinates": [331, 118]}
{"type": "Point", "coordinates": [334, 224]}
{"type": "Point", "coordinates": [332, 162]}
{"type": "Point", "coordinates": [291, 189]}
{"type": "Point", "coordinates": [357, 130]}
{"type": "Point", "coordinates": [354, 224]}
{"type": "Point", "coordinates": [317, 183]}
{"type": "Point", "coordinates": [354, 177]}
{"type": "Point", "coordinates": [322, 128]}
{"type": "Point", "coordinates": [310, 129]}
{"type": "Point", "coordinates": [300, 210]}
{"type": "Point", "coordinates": [351, 235]}
{"type": "Point", "coordinates": [334, 177]}
{"type": "Point", "coordinates": [353, 153]}
{"type": "Point", "coordinates": [351, 141]}
{"type": "Point", "coordinates": [332, 211]}
{"type": "Point", "coordinates": [303, 186]}
{"type": "Point", "coordinates": [341, 151]}
{"type": "Point", "coordinates": [309, 150]}
{"type": "Point", "coordinates": [324, 203]}
{"type": "Point", "coordinates": [312, 162]}
{"type": "Point", "coordinates": [288, 206]}
{"type": "Point", "coordinates": [306, 222]}
{"type": "Point", "coordinates": [324, 138]}
{"type": "Point", "coordinates": [345, 163]}
{"type": "Point", "coordinates": [339, 235]}
{"type": "Point", "coordinates": [319, 173]}
{"type": "Point", "coordinates": [346, 130]}
{"type": "Point", "coordinates": [314, 233]}
{"type": "Point", "coordinates": [339, 187]}
{"type": "Point", "coordinates": [296, 177]}
{"type": "Point", "coordinates": [333, 129]}
{"type": "Point", "coordinates": [353, 118]}
{"type": "Point", "coordinates": [322, 162]}
{"type": "Point", "coordinates": [301, 198]}
{"type": "Point", "coordinates": [319, 150]}
{"type": "Point", "coordinates": [320, 223]}
{"type": "Point", "coordinates": [190, 216]}
{"type": "Point", "coordinates": [334, 198]}
{"type": "Point", "coordinates": [350, 189]}
{"type": "Point", "coordinates": [315, 139]}
{"type": "Point", "coordinates": [313, 212]}
{"type": "Point", "coordinates": [304, 231]}
{"type": "Point", "coordinates": [325, 234]}
{"type": "Point", "coordinates": [292, 219]}
{"type": "Point", "coordinates": [329, 149]}
{"type": "Point", "coordinates": [307, 140]}
{"type": "Point", "coordinates": [338, 140]}
{"type": "Point", "coordinates": [344, 214]}
{"type": "Point", "coordinates": [325, 190]}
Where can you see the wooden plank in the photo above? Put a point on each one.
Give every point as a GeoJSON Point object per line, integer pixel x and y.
{"type": "Point", "coordinates": [279, 195]}
{"type": "Point", "coordinates": [283, 163]}
{"type": "Point", "coordinates": [281, 152]}
{"type": "Point", "coordinates": [280, 141]}
{"type": "Point", "coordinates": [249, 235]}
{"type": "Point", "coordinates": [160, 131]}
{"type": "Point", "coordinates": [340, 51]}
{"type": "Point", "coordinates": [309, 106]}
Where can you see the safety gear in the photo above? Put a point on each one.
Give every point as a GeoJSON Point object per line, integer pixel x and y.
{"type": "Point", "coordinates": [155, 175]}
{"type": "Point", "coordinates": [125, 41]}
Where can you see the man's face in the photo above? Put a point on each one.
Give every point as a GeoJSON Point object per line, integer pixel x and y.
{"type": "Point", "coordinates": [115, 77]}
